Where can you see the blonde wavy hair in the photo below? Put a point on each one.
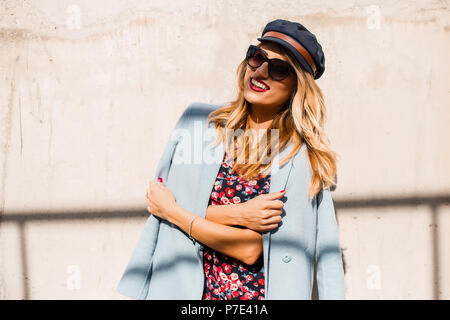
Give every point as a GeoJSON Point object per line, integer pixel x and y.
{"type": "Point", "coordinates": [301, 121]}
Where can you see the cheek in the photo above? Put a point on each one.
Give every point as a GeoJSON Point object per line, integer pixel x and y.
{"type": "Point", "coordinates": [288, 88]}
{"type": "Point", "coordinates": [246, 79]}
{"type": "Point", "coordinates": [282, 90]}
{"type": "Point", "coordinates": [247, 76]}
{"type": "Point", "coordinates": [292, 84]}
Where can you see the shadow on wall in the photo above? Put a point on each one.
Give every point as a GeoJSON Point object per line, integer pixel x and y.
{"type": "Point", "coordinates": [21, 219]}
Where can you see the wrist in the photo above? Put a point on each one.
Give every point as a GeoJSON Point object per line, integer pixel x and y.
{"type": "Point", "coordinates": [173, 212]}
{"type": "Point", "coordinates": [180, 217]}
{"type": "Point", "coordinates": [237, 214]}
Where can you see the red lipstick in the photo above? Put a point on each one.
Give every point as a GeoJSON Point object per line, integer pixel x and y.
{"type": "Point", "coordinates": [255, 88]}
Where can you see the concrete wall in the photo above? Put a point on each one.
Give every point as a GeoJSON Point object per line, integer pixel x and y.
{"type": "Point", "coordinates": [90, 91]}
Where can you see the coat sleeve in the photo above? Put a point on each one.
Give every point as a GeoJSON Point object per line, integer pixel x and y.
{"type": "Point", "coordinates": [134, 282]}
{"type": "Point", "coordinates": [330, 272]}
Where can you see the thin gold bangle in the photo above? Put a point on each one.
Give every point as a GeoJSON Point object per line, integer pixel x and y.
{"type": "Point", "coordinates": [190, 228]}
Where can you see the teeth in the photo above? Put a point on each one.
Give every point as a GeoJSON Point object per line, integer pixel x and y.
{"type": "Point", "coordinates": [259, 84]}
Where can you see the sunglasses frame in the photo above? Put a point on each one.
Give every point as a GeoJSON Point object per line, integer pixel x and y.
{"type": "Point", "coordinates": [269, 61]}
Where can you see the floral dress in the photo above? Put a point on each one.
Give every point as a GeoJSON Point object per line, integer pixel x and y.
{"type": "Point", "coordinates": [227, 278]}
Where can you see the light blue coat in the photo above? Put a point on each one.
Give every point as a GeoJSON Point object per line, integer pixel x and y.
{"type": "Point", "coordinates": [165, 264]}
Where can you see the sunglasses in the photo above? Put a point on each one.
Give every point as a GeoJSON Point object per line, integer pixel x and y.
{"type": "Point", "coordinates": [278, 69]}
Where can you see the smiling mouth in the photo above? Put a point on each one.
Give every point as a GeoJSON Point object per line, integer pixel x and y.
{"type": "Point", "coordinates": [258, 85]}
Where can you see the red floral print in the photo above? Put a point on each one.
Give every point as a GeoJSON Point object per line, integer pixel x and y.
{"type": "Point", "coordinates": [227, 278]}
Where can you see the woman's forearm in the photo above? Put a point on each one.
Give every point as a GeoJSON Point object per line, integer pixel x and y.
{"type": "Point", "coordinates": [224, 214]}
{"type": "Point", "coordinates": [242, 244]}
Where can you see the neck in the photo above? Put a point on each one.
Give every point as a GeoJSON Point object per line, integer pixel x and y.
{"type": "Point", "coordinates": [262, 117]}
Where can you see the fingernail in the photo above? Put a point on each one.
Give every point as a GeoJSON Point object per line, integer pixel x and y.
{"type": "Point", "coordinates": [282, 190]}
{"type": "Point", "coordinates": [160, 179]}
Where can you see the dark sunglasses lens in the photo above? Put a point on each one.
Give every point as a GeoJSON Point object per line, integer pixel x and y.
{"type": "Point", "coordinates": [280, 70]}
{"type": "Point", "coordinates": [254, 57]}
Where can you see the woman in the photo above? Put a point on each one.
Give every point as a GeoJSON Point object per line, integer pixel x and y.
{"type": "Point", "coordinates": [238, 229]}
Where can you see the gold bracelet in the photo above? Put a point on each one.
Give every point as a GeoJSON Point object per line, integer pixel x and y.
{"type": "Point", "coordinates": [190, 227]}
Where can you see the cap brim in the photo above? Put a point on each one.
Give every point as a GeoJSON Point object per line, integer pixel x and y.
{"type": "Point", "coordinates": [292, 50]}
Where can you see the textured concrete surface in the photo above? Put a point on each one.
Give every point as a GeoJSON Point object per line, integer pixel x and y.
{"type": "Point", "coordinates": [90, 91]}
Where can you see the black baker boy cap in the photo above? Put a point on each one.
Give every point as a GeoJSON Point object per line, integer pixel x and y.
{"type": "Point", "coordinates": [298, 41]}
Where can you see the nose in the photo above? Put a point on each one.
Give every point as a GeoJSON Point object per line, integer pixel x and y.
{"type": "Point", "coordinates": [262, 71]}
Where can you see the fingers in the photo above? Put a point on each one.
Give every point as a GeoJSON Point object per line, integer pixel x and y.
{"type": "Point", "coordinates": [269, 213]}
{"type": "Point", "coordinates": [148, 197]}
{"type": "Point", "coordinates": [274, 195]}
{"type": "Point", "coordinates": [270, 205]}
{"type": "Point", "coordinates": [273, 220]}
{"type": "Point", "coordinates": [274, 204]}
{"type": "Point", "coordinates": [149, 190]}
{"type": "Point", "coordinates": [269, 227]}
{"type": "Point", "coordinates": [154, 183]}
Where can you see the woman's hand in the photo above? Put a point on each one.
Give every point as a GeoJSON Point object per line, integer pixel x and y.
{"type": "Point", "coordinates": [263, 212]}
{"type": "Point", "coordinates": [161, 202]}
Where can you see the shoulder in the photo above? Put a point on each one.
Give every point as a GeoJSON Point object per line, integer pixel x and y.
{"type": "Point", "coordinates": [200, 110]}
{"type": "Point", "coordinates": [300, 159]}
{"type": "Point", "coordinates": [301, 166]}
{"type": "Point", "coordinates": [194, 112]}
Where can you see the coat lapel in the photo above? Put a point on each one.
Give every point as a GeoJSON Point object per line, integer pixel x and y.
{"type": "Point", "coordinates": [209, 172]}
{"type": "Point", "coordinates": [278, 180]}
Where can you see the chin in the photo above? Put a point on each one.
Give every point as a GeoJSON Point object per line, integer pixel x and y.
{"type": "Point", "coordinates": [253, 98]}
